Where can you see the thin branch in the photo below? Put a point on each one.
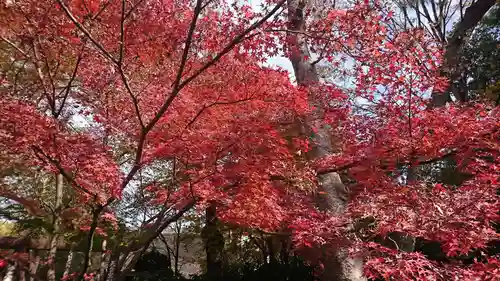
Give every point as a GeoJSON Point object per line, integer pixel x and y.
{"type": "Point", "coordinates": [211, 105]}
{"type": "Point", "coordinates": [232, 44]}
{"type": "Point", "coordinates": [101, 10]}
{"type": "Point", "coordinates": [68, 87]}
{"type": "Point", "coordinates": [178, 87]}
{"type": "Point", "coordinates": [135, 101]}
{"type": "Point", "coordinates": [122, 35]}
{"type": "Point", "coordinates": [85, 31]}
{"type": "Point", "coordinates": [60, 168]}
{"type": "Point", "coordinates": [41, 77]}
{"type": "Point", "coordinates": [187, 45]}
{"type": "Point", "coordinates": [206, 4]}
{"type": "Point", "coordinates": [14, 46]}
{"type": "Point", "coordinates": [51, 80]}
{"type": "Point", "coordinates": [133, 9]}
{"type": "Point", "coordinates": [361, 161]}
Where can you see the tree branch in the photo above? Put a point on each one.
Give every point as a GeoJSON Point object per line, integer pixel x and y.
{"type": "Point", "coordinates": [85, 31]}
{"type": "Point", "coordinates": [68, 87]}
{"type": "Point", "coordinates": [88, 247]}
{"type": "Point", "coordinates": [60, 168]}
{"type": "Point", "coordinates": [473, 15]}
{"type": "Point", "coordinates": [178, 86]}
{"type": "Point", "coordinates": [122, 35]}
{"type": "Point", "coordinates": [14, 46]}
{"type": "Point", "coordinates": [211, 105]}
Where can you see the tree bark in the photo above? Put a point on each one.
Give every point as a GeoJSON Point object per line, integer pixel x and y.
{"type": "Point", "coordinates": [104, 262]}
{"type": "Point", "coordinates": [178, 229]}
{"type": "Point", "coordinates": [472, 16]}
{"type": "Point", "coordinates": [214, 243]}
{"type": "Point", "coordinates": [51, 273]}
{"type": "Point", "coordinates": [337, 266]}
{"type": "Point", "coordinates": [69, 262]}
{"type": "Point", "coordinates": [34, 259]}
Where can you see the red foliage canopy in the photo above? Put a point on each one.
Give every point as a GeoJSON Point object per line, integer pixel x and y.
{"type": "Point", "coordinates": [160, 81]}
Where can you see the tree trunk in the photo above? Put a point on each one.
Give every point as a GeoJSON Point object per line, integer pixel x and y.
{"type": "Point", "coordinates": [34, 259]}
{"type": "Point", "coordinates": [286, 242]}
{"type": "Point", "coordinates": [104, 262]}
{"type": "Point", "coordinates": [51, 273]}
{"type": "Point", "coordinates": [450, 68]}
{"type": "Point", "coordinates": [112, 270]}
{"type": "Point", "coordinates": [21, 274]}
{"type": "Point", "coordinates": [177, 248]}
{"type": "Point", "coordinates": [338, 266]}
{"type": "Point", "coordinates": [69, 262]}
{"type": "Point", "coordinates": [271, 250]}
{"type": "Point", "coordinates": [214, 244]}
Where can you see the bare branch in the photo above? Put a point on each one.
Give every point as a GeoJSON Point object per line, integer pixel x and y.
{"type": "Point", "coordinates": [187, 45]}
{"type": "Point", "coordinates": [122, 35]}
{"type": "Point", "coordinates": [68, 87]}
{"type": "Point", "coordinates": [14, 46]}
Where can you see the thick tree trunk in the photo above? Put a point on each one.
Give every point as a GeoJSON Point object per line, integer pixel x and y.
{"type": "Point", "coordinates": [214, 244]}
{"type": "Point", "coordinates": [337, 266]}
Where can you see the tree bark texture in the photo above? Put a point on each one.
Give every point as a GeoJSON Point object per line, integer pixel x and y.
{"type": "Point", "coordinates": [337, 266]}
{"type": "Point", "coordinates": [214, 243]}
{"type": "Point", "coordinates": [69, 262]}
{"type": "Point", "coordinates": [51, 273]}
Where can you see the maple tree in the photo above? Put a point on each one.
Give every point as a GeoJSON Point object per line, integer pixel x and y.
{"type": "Point", "coordinates": [170, 99]}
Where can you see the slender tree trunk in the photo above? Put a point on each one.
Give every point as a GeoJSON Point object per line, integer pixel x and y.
{"type": "Point", "coordinates": [285, 249]}
{"type": "Point", "coordinates": [271, 250]}
{"type": "Point", "coordinates": [177, 248]}
{"type": "Point", "coordinates": [104, 262]}
{"type": "Point", "coordinates": [51, 273]}
{"type": "Point", "coordinates": [34, 263]}
{"type": "Point", "coordinates": [69, 262]}
{"type": "Point", "coordinates": [338, 266]}
{"type": "Point", "coordinates": [123, 260]}
{"type": "Point", "coordinates": [214, 244]}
